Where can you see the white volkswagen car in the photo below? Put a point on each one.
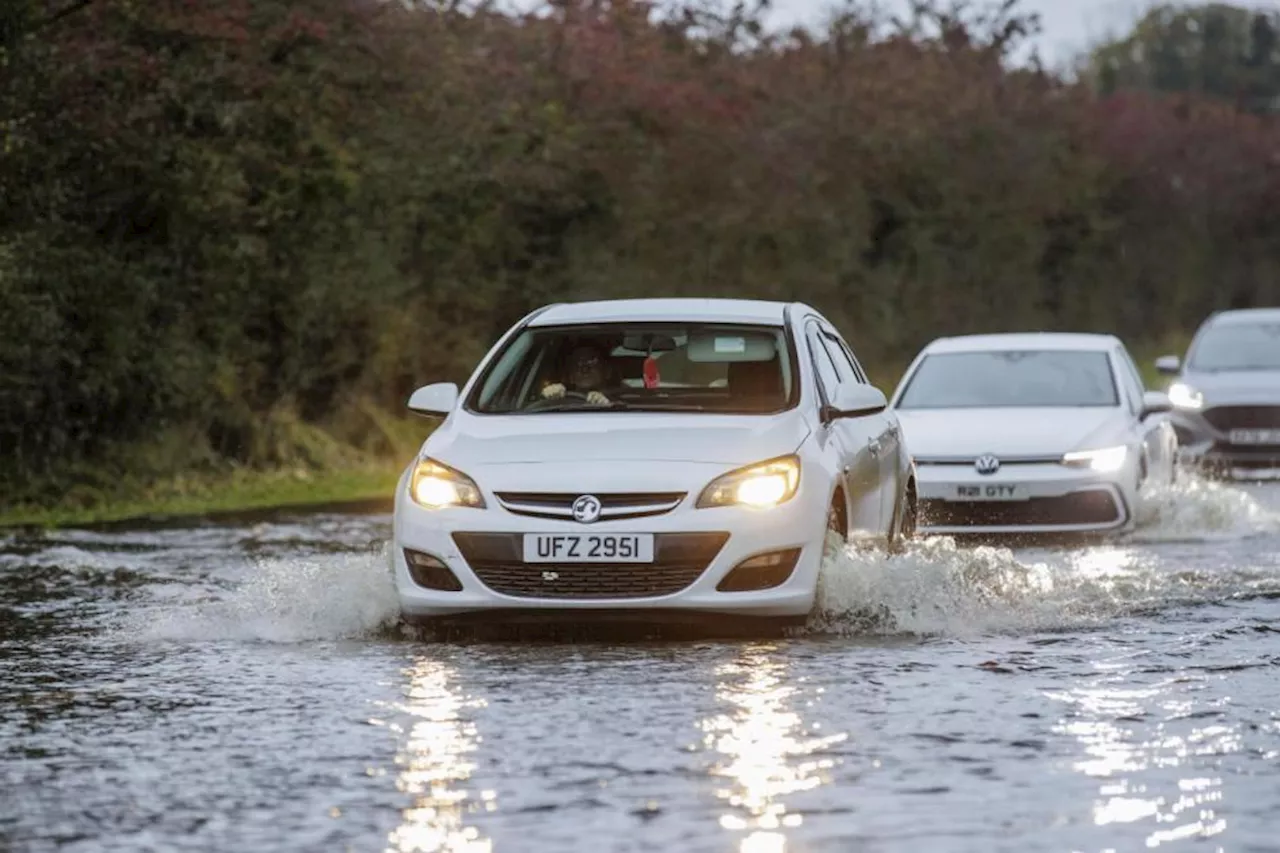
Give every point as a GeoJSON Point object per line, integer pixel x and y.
{"type": "Point", "coordinates": [1040, 433]}
{"type": "Point", "coordinates": [655, 458]}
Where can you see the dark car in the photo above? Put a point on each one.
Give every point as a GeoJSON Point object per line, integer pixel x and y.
{"type": "Point", "coordinates": [1226, 395]}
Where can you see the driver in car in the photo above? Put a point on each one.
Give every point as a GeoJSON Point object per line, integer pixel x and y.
{"type": "Point", "coordinates": [586, 373]}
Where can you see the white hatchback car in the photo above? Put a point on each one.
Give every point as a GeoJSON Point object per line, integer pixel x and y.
{"type": "Point", "coordinates": [1032, 433]}
{"type": "Point", "coordinates": [700, 477]}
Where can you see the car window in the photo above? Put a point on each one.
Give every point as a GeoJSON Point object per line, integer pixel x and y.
{"type": "Point", "coordinates": [1132, 378]}
{"type": "Point", "coordinates": [828, 376]}
{"type": "Point", "coordinates": [844, 370]}
{"type": "Point", "coordinates": [1011, 378]}
{"type": "Point", "coordinates": [844, 357]}
{"type": "Point", "coordinates": [1253, 345]}
{"type": "Point", "coordinates": [696, 367]}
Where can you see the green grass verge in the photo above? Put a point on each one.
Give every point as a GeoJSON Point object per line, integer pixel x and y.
{"type": "Point", "coordinates": [211, 494]}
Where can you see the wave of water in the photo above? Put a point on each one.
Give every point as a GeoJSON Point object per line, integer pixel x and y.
{"type": "Point", "coordinates": [284, 600]}
{"type": "Point", "coordinates": [1196, 509]}
{"type": "Point", "coordinates": [936, 587]}
{"type": "Point", "coordinates": [940, 588]}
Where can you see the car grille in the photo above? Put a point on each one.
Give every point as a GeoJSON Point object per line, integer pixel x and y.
{"type": "Point", "coordinates": [1087, 507]}
{"type": "Point", "coordinates": [679, 559]}
{"type": "Point", "coordinates": [613, 507]}
{"type": "Point", "coordinates": [1243, 417]}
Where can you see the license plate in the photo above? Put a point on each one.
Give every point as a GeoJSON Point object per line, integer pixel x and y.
{"type": "Point", "coordinates": [1255, 436]}
{"type": "Point", "coordinates": [588, 548]}
{"type": "Point", "coordinates": [991, 492]}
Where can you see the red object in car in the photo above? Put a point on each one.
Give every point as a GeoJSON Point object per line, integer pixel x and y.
{"type": "Point", "coordinates": [651, 377]}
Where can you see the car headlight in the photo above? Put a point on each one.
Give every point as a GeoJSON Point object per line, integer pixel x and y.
{"type": "Point", "coordinates": [1183, 396]}
{"type": "Point", "coordinates": [762, 485]}
{"type": "Point", "coordinates": [435, 485]}
{"type": "Point", "coordinates": [1106, 460]}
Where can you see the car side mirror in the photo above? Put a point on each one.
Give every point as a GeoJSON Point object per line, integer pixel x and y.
{"type": "Point", "coordinates": [436, 400]}
{"type": "Point", "coordinates": [1154, 403]}
{"type": "Point", "coordinates": [856, 401]}
{"type": "Point", "coordinates": [1169, 365]}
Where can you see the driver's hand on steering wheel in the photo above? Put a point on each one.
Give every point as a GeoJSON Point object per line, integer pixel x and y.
{"type": "Point", "coordinates": [595, 398]}
{"type": "Point", "coordinates": [553, 391]}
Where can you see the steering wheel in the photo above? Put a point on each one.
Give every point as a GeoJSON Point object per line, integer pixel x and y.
{"type": "Point", "coordinates": [547, 402]}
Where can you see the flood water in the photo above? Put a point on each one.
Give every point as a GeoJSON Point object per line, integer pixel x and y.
{"type": "Point", "coordinates": [243, 687]}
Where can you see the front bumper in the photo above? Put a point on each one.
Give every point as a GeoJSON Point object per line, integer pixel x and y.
{"type": "Point", "coordinates": [694, 551]}
{"type": "Point", "coordinates": [1050, 499]}
{"type": "Point", "coordinates": [1212, 438]}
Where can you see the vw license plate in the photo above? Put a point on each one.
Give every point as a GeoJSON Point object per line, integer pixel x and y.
{"type": "Point", "coordinates": [588, 548]}
{"type": "Point", "coordinates": [1255, 436]}
{"type": "Point", "coordinates": [991, 492]}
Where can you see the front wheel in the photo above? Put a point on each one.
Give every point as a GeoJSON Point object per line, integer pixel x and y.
{"type": "Point", "coordinates": [904, 529]}
{"type": "Point", "coordinates": [836, 519]}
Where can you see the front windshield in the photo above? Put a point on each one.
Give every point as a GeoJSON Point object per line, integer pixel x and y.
{"type": "Point", "coordinates": [1003, 379]}
{"type": "Point", "coordinates": [694, 367]}
{"type": "Point", "coordinates": [1238, 346]}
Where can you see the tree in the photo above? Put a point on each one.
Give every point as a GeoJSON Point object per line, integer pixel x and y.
{"type": "Point", "coordinates": [1217, 50]}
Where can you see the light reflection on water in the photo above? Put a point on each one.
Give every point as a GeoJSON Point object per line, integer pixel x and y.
{"type": "Point", "coordinates": [1127, 732]}
{"type": "Point", "coordinates": [1128, 705]}
{"type": "Point", "coordinates": [435, 766]}
{"type": "Point", "coordinates": [767, 750]}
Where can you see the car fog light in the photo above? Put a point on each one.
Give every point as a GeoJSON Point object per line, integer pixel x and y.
{"type": "Point", "coordinates": [430, 572]}
{"type": "Point", "coordinates": [763, 571]}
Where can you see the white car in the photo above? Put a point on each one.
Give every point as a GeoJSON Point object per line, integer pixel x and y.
{"type": "Point", "coordinates": [701, 480]}
{"type": "Point", "coordinates": [1040, 433]}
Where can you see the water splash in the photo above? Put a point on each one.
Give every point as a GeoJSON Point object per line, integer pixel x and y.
{"type": "Point", "coordinates": [285, 601]}
{"type": "Point", "coordinates": [939, 588]}
{"type": "Point", "coordinates": [934, 587]}
{"type": "Point", "coordinates": [1196, 509]}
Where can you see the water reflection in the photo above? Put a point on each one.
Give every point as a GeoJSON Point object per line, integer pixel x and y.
{"type": "Point", "coordinates": [1150, 749]}
{"type": "Point", "coordinates": [767, 753]}
{"type": "Point", "coordinates": [435, 766]}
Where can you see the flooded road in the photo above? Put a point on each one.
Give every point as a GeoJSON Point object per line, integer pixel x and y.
{"type": "Point", "coordinates": [243, 687]}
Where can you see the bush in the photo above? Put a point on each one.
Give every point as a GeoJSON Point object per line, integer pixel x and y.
{"type": "Point", "coordinates": [241, 221]}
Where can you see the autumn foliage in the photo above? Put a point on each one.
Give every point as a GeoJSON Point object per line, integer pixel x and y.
{"type": "Point", "coordinates": [215, 214]}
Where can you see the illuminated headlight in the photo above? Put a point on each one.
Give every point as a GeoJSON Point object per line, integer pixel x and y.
{"type": "Point", "coordinates": [435, 485]}
{"type": "Point", "coordinates": [1183, 396]}
{"type": "Point", "coordinates": [1106, 460]}
{"type": "Point", "coordinates": [763, 485]}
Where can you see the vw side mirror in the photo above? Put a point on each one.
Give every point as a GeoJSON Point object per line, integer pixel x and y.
{"type": "Point", "coordinates": [856, 401]}
{"type": "Point", "coordinates": [1169, 365]}
{"type": "Point", "coordinates": [435, 400]}
{"type": "Point", "coordinates": [1154, 403]}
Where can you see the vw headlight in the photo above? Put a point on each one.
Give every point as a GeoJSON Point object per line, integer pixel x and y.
{"type": "Point", "coordinates": [763, 485]}
{"type": "Point", "coordinates": [435, 485]}
{"type": "Point", "coordinates": [1183, 396]}
{"type": "Point", "coordinates": [1106, 460]}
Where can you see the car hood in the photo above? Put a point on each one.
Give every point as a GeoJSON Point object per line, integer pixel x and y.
{"type": "Point", "coordinates": [471, 441]}
{"type": "Point", "coordinates": [1232, 387]}
{"type": "Point", "coordinates": [1007, 431]}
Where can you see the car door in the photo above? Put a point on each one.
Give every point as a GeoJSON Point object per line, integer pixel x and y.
{"type": "Point", "coordinates": [887, 444]}
{"type": "Point", "coordinates": [1154, 429]}
{"type": "Point", "coordinates": [859, 462]}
